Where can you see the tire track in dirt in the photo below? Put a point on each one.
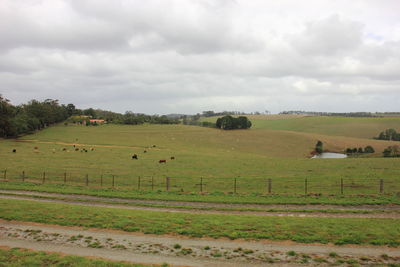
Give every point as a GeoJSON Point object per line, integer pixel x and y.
{"type": "Point", "coordinates": [119, 245]}
{"type": "Point", "coordinates": [72, 200]}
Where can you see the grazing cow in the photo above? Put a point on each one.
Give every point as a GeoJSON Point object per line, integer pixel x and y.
{"type": "Point", "coordinates": [36, 147]}
{"type": "Point", "coordinates": [134, 156]}
{"type": "Point", "coordinates": [64, 149]}
{"type": "Point", "coordinates": [85, 150]}
{"type": "Point", "coordinates": [154, 145]}
{"type": "Point", "coordinates": [172, 157]}
{"type": "Point", "coordinates": [74, 145]}
{"type": "Point", "coordinates": [145, 151]}
{"type": "Point", "coordinates": [162, 161]}
{"type": "Point", "coordinates": [14, 150]}
{"type": "Point", "coordinates": [92, 149]}
{"type": "Point", "coordinates": [76, 149]}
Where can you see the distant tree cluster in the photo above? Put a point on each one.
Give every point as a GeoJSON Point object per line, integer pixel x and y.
{"type": "Point", "coordinates": [230, 123]}
{"type": "Point", "coordinates": [389, 134]}
{"type": "Point", "coordinates": [391, 152]}
{"type": "Point", "coordinates": [360, 150]}
{"type": "Point", "coordinates": [26, 118]}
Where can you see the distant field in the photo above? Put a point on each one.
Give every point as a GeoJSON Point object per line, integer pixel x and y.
{"type": "Point", "coordinates": [357, 127]}
{"type": "Point", "coordinates": [251, 156]}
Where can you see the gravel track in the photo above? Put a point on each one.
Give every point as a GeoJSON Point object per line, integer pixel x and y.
{"type": "Point", "coordinates": [130, 204]}
{"type": "Point", "coordinates": [151, 249]}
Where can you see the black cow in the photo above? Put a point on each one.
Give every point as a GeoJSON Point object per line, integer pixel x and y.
{"type": "Point", "coordinates": [14, 150]}
{"type": "Point", "coordinates": [134, 156]}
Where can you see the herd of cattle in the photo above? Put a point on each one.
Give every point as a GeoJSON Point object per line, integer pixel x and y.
{"type": "Point", "coordinates": [134, 156]}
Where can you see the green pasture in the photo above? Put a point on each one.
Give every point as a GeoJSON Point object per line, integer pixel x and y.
{"type": "Point", "coordinates": [305, 230]}
{"type": "Point", "coordinates": [214, 158]}
{"type": "Point", "coordinates": [214, 197]}
{"type": "Point", "coordinates": [358, 127]}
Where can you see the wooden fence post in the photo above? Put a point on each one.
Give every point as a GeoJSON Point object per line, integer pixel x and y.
{"type": "Point", "coordinates": [341, 186]}
{"type": "Point", "coordinates": [65, 177]}
{"type": "Point", "coordinates": [305, 187]}
{"type": "Point", "coordinates": [381, 186]}
{"type": "Point", "coordinates": [23, 176]}
{"type": "Point", "coordinates": [87, 180]}
{"type": "Point", "coordinates": [113, 178]}
{"type": "Point", "coordinates": [269, 186]}
{"type": "Point", "coordinates": [101, 180]}
{"type": "Point", "coordinates": [152, 183]}
{"type": "Point", "coordinates": [201, 184]}
{"type": "Point", "coordinates": [138, 185]}
{"type": "Point", "coordinates": [234, 186]}
{"type": "Point", "coordinates": [44, 177]}
{"type": "Point", "coordinates": [167, 183]}
{"type": "Point", "coordinates": [5, 174]}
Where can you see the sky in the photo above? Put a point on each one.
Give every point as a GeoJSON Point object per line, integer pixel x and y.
{"type": "Point", "coordinates": [188, 56]}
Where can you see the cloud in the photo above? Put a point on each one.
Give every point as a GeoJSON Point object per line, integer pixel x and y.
{"type": "Point", "coordinates": [186, 56]}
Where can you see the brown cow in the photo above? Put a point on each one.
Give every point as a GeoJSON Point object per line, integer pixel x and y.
{"type": "Point", "coordinates": [162, 161]}
{"type": "Point", "coordinates": [172, 157]}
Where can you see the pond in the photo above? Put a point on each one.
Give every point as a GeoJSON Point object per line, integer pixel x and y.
{"type": "Point", "coordinates": [329, 155]}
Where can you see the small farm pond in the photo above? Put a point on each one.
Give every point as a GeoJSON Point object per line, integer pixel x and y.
{"type": "Point", "coordinates": [329, 155]}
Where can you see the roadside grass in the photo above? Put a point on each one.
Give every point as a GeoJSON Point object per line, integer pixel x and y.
{"type": "Point", "coordinates": [17, 257]}
{"type": "Point", "coordinates": [310, 209]}
{"type": "Point", "coordinates": [216, 197]}
{"type": "Point", "coordinates": [305, 230]}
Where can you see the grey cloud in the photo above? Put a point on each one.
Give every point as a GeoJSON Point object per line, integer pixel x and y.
{"type": "Point", "coordinates": [186, 56]}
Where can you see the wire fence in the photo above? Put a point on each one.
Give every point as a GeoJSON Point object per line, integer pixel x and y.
{"type": "Point", "coordinates": [306, 186]}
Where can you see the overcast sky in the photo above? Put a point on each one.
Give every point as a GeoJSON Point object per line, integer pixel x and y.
{"type": "Point", "coordinates": [183, 56]}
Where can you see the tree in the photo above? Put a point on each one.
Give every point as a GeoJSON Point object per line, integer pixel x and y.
{"type": "Point", "coordinates": [369, 149]}
{"type": "Point", "coordinates": [70, 109]}
{"type": "Point", "coordinates": [6, 114]}
{"type": "Point", "coordinates": [360, 150]}
{"type": "Point", "coordinates": [229, 123]}
{"type": "Point", "coordinates": [391, 151]}
{"type": "Point", "coordinates": [90, 112]}
{"type": "Point", "coordinates": [319, 147]}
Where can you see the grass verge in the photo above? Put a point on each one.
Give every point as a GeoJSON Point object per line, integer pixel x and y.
{"type": "Point", "coordinates": [306, 230]}
{"type": "Point", "coordinates": [212, 197]}
{"type": "Point", "coordinates": [20, 257]}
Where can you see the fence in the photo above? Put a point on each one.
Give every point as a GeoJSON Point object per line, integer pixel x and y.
{"type": "Point", "coordinates": [306, 186]}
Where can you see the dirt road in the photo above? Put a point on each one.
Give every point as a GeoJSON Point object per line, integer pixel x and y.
{"type": "Point", "coordinates": [151, 249]}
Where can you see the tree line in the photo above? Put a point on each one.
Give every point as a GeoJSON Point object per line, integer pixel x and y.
{"type": "Point", "coordinates": [36, 115]}
{"type": "Point", "coordinates": [389, 134]}
{"type": "Point", "coordinates": [29, 117]}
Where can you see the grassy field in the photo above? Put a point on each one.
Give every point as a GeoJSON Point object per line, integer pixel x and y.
{"type": "Point", "coordinates": [217, 157]}
{"type": "Point", "coordinates": [357, 127]}
{"type": "Point", "coordinates": [306, 230]}
{"type": "Point", "coordinates": [20, 258]}
{"type": "Point", "coordinates": [217, 197]}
